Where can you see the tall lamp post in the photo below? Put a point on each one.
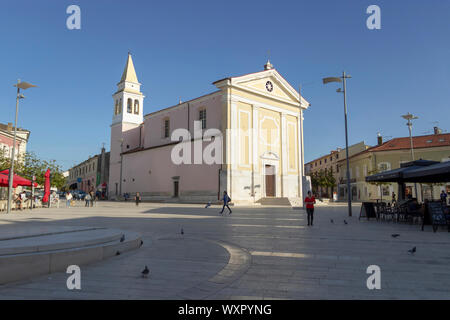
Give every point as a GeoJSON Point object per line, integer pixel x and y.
{"type": "Point", "coordinates": [20, 85]}
{"type": "Point", "coordinates": [410, 117]}
{"type": "Point", "coordinates": [344, 91]}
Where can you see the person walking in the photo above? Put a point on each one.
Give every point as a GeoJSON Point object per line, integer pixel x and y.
{"type": "Point", "coordinates": [88, 199]}
{"type": "Point", "coordinates": [444, 197]}
{"type": "Point", "coordinates": [137, 198]}
{"type": "Point", "coordinates": [226, 199]}
{"type": "Point", "coordinates": [310, 201]}
{"type": "Point", "coordinates": [91, 193]}
{"type": "Point", "coordinates": [68, 199]}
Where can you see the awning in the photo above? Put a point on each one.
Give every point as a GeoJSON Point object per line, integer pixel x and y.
{"type": "Point", "coordinates": [18, 180]}
{"type": "Point", "coordinates": [397, 175]}
{"type": "Point", "coordinates": [436, 173]}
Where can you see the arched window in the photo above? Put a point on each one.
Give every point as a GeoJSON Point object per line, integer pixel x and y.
{"type": "Point", "coordinates": [136, 106]}
{"type": "Point", "coordinates": [119, 111]}
{"type": "Point", "coordinates": [129, 105]}
{"type": "Point", "coordinates": [116, 108]}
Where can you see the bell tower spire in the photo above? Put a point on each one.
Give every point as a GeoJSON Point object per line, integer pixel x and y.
{"type": "Point", "coordinates": [128, 99]}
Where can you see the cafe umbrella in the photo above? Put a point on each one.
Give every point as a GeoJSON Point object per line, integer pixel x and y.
{"type": "Point", "coordinates": [45, 199]}
{"type": "Point", "coordinates": [18, 180]}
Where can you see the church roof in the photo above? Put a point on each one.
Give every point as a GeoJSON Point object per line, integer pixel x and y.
{"type": "Point", "coordinates": [129, 74]}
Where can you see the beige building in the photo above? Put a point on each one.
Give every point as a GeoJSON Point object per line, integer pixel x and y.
{"type": "Point", "coordinates": [389, 155]}
{"type": "Point", "coordinates": [330, 162]}
{"type": "Point", "coordinates": [89, 174]}
{"type": "Point", "coordinates": [326, 163]}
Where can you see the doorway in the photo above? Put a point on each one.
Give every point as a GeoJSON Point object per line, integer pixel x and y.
{"type": "Point", "coordinates": [175, 188]}
{"type": "Point", "coordinates": [270, 180]}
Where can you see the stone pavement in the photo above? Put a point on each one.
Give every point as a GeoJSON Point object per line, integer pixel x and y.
{"type": "Point", "coordinates": [255, 253]}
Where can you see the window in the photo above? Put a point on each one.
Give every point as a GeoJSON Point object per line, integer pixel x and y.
{"type": "Point", "coordinates": [202, 118]}
{"type": "Point", "coordinates": [116, 108]}
{"type": "Point", "coordinates": [136, 106]}
{"type": "Point", "coordinates": [129, 105]}
{"type": "Point", "coordinates": [119, 110]}
{"type": "Point", "coordinates": [166, 128]}
{"type": "Point", "coordinates": [383, 166]}
{"type": "Point", "coordinates": [325, 160]}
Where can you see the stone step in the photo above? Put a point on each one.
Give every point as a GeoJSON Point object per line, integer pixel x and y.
{"type": "Point", "coordinates": [269, 201]}
{"type": "Point", "coordinates": [31, 256]}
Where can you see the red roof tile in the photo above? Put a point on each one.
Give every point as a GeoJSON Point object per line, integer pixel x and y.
{"type": "Point", "coordinates": [433, 140]}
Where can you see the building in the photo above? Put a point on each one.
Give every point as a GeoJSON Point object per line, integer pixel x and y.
{"type": "Point", "coordinates": [7, 138]}
{"type": "Point", "coordinates": [324, 164]}
{"type": "Point", "coordinates": [92, 174]}
{"type": "Point", "coordinates": [389, 155]}
{"type": "Point", "coordinates": [6, 146]}
{"type": "Point", "coordinates": [252, 122]}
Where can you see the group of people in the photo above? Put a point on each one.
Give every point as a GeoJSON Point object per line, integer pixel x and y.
{"type": "Point", "coordinates": [20, 200]}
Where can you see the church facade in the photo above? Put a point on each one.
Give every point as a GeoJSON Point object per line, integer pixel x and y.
{"type": "Point", "coordinates": [249, 132]}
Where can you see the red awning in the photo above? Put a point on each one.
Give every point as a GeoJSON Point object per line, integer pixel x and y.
{"type": "Point", "coordinates": [18, 180]}
{"type": "Point", "coordinates": [4, 181]}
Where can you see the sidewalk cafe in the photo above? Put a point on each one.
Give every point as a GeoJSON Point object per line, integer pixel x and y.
{"type": "Point", "coordinates": [407, 209]}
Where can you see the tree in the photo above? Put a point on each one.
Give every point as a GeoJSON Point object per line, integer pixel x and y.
{"type": "Point", "coordinates": [29, 164]}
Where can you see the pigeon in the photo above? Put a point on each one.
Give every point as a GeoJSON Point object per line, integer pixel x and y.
{"type": "Point", "coordinates": [142, 242]}
{"type": "Point", "coordinates": [118, 253]}
{"type": "Point", "coordinates": [395, 235]}
{"type": "Point", "coordinates": [122, 238]}
{"type": "Point", "coordinates": [145, 272]}
{"type": "Point", "coordinates": [208, 204]}
{"type": "Point", "coordinates": [345, 222]}
{"type": "Point", "coordinates": [182, 231]}
{"type": "Point", "coordinates": [331, 220]}
{"type": "Point", "coordinates": [412, 251]}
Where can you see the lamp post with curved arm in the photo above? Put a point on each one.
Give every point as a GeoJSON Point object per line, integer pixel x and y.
{"type": "Point", "coordinates": [20, 85]}
{"type": "Point", "coordinates": [344, 91]}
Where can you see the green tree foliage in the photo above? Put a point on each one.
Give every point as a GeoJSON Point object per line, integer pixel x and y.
{"type": "Point", "coordinates": [323, 178]}
{"type": "Point", "coordinates": [29, 164]}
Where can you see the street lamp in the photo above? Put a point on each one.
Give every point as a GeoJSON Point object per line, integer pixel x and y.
{"type": "Point", "coordinates": [23, 86]}
{"type": "Point", "coordinates": [410, 117]}
{"type": "Point", "coordinates": [344, 91]}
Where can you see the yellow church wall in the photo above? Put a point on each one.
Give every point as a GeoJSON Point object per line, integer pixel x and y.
{"type": "Point", "coordinates": [260, 85]}
{"type": "Point", "coordinates": [270, 135]}
{"type": "Point", "coordinates": [292, 143]}
{"type": "Point", "coordinates": [265, 100]}
{"type": "Point", "coordinates": [245, 121]}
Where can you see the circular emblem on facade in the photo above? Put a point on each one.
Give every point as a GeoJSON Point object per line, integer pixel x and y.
{"type": "Point", "coordinates": [269, 86]}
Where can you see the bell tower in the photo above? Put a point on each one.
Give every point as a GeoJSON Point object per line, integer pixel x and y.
{"type": "Point", "coordinates": [128, 115]}
{"type": "Point", "coordinates": [128, 99]}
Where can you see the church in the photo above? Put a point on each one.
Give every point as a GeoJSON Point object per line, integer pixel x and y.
{"type": "Point", "coordinates": [254, 121]}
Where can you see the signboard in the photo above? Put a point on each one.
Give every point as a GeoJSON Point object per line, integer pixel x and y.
{"type": "Point", "coordinates": [78, 179]}
{"type": "Point", "coordinates": [436, 215]}
{"type": "Point", "coordinates": [367, 210]}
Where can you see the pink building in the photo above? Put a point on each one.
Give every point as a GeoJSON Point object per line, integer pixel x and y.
{"type": "Point", "coordinates": [7, 138]}
{"type": "Point", "coordinates": [253, 164]}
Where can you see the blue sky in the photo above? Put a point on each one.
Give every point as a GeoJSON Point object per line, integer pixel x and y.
{"type": "Point", "coordinates": [180, 47]}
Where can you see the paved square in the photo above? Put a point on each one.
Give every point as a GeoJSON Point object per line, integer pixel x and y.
{"type": "Point", "coordinates": [255, 253]}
